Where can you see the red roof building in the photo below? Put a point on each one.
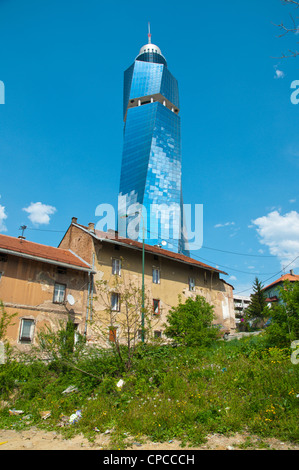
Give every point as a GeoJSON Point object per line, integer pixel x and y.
{"type": "Point", "coordinates": [49, 254]}
{"type": "Point", "coordinates": [41, 286]}
{"type": "Point", "coordinates": [272, 290]}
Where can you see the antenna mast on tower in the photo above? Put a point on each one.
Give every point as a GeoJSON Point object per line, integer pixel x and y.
{"type": "Point", "coordinates": [149, 33]}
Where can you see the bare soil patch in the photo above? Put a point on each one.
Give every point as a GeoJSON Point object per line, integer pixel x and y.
{"type": "Point", "coordinates": [36, 439]}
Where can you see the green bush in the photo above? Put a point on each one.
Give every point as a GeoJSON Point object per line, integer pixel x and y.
{"type": "Point", "coordinates": [284, 325]}
{"type": "Point", "coordinates": [190, 323]}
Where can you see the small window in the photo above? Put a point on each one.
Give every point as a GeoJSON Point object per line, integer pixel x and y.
{"type": "Point", "coordinates": [26, 331]}
{"type": "Point", "coordinates": [115, 302]}
{"type": "Point", "coordinates": [157, 334]}
{"type": "Point", "coordinates": [191, 284]}
{"type": "Point", "coordinates": [59, 293]}
{"type": "Point", "coordinates": [117, 247]}
{"type": "Point", "coordinates": [156, 276]}
{"type": "Point", "coordinates": [0, 275]}
{"type": "Point", "coordinates": [3, 257]}
{"type": "Point", "coordinates": [156, 306]}
{"type": "Point", "coordinates": [112, 334]}
{"type": "Point", "coordinates": [116, 266]}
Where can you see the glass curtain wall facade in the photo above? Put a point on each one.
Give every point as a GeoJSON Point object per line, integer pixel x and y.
{"type": "Point", "coordinates": [150, 194]}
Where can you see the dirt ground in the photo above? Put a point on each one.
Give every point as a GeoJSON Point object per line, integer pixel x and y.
{"type": "Point", "coordinates": [35, 439]}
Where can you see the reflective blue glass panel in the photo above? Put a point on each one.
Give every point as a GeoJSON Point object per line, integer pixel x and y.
{"type": "Point", "coordinates": [151, 162]}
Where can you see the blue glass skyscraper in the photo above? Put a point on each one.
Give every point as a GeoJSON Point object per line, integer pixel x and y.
{"type": "Point", "coordinates": [150, 193]}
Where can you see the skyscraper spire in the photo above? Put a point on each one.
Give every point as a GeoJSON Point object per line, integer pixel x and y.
{"type": "Point", "coordinates": [149, 33]}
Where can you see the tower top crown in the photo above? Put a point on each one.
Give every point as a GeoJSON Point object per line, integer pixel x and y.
{"type": "Point", "coordinates": [150, 52]}
{"type": "Point", "coordinates": [150, 48]}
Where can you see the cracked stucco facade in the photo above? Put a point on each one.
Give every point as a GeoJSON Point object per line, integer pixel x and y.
{"type": "Point", "coordinates": [174, 278]}
{"type": "Point", "coordinates": [27, 288]}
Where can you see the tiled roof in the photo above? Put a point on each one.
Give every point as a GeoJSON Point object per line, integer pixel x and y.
{"type": "Point", "coordinates": [20, 245]}
{"type": "Point", "coordinates": [113, 236]}
{"type": "Point", "coordinates": [271, 299]}
{"type": "Point", "coordinates": [285, 277]}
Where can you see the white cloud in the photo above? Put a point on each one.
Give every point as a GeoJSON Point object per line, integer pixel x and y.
{"type": "Point", "coordinates": [281, 234]}
{"type": "Point", "coordinates": [3, 216]}
{"type": "Point", "coordinates": [233, 278]}
{"type": "Point", "coordinates": [291, 201]}
{"type": "Point", "coordinates": [279, 74]}
{"type": "Point", "coordinates": [39, 213]}
{"type": "Point", "coordinates": [224, 225]}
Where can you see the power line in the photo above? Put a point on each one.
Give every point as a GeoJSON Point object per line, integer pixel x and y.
{"type": "Point", "coordinates": [203, 259]}
{"type": "Point", "coordinates": [45, 230]}
{"type": "Point", "coordinates": [218, 249]}
{"type": "Point", "coordinates": [274, 275]}
{"type": "Point", "coordinates": [237, 253]}
{"type": "Point", "coordinates": [228, 267]}
{"type": "Point", "coordinates": [217, 264]}
{"type": "Point", "coordinates": [197, 246]}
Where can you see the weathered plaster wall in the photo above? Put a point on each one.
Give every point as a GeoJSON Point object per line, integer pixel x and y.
{"type": "Point", "coordinates": [27, 287]}
{"type": "Point", "coordinates": [174, 278]}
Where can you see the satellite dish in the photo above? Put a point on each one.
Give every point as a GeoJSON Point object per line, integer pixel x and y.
{"type": "Point", "coordinates": [70, 299]}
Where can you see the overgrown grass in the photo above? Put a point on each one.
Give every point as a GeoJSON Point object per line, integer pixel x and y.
{"type": "Point", "coordinates": [170, 393]}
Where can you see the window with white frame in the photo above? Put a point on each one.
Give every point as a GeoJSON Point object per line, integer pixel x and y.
{"type": "Point", "coordinates": [156, 275]}
{"type": "Point", "coordinates": [116, 266]}
{"type": "Point", "coordinates": [115, 302]}
{"type": "Point", "coordinates": [26, 330]}
{"type": "Point", "coordinates": [191, 283]}
{"type": "Point", "coordinates": [59, 293]}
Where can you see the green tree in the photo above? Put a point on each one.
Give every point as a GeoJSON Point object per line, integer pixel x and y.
{"type": "Point", "coordinates": [257, 309]}
{"type": "Point", "coordinates": [121, 322]}
{"type": "Point", "coordinates": [59, 344]}
{"type": "Point", "coordinates": [284, 326]}
{"type": "Point", "coordinates": [190, 323]}
{"type": "Point", "coordinates": [6, 319]}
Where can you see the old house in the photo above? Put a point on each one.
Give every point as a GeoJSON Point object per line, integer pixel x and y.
{"type": "Point", "coordinates": [272, 291]}
{"type": "Point", "coordinates": [43, 285]}
{"type": "Point", "coordinates": [166, 276]}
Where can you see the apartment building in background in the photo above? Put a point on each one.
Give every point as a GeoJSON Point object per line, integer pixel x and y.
{"type": "Point", "coordinates": [241, 302]}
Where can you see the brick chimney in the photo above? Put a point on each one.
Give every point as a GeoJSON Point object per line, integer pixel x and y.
{"type": "Point", "coordinates": [291, 272]}
{"type": "Point", "coordinates": [74, 220]}
{"type": "Point", "coordinates": [91, 227]}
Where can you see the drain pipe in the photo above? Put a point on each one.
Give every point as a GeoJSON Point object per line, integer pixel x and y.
{"type": "Point", "coordinates": [91, 295]}
{"type": "Point", "coordinates": [87, 306]}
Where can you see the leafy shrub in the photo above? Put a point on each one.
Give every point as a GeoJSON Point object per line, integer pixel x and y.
{"type": "Point", "coordinates": [190, 323]}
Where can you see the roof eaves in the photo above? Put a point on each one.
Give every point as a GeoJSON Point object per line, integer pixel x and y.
{"type": "Point", "coordinates": [45, 260]}
{"type": "Point", "coordinates": [79, 258]}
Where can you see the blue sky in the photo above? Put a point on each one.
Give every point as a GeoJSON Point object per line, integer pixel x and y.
{"type": "Point", "coordinates": [62, 64]}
